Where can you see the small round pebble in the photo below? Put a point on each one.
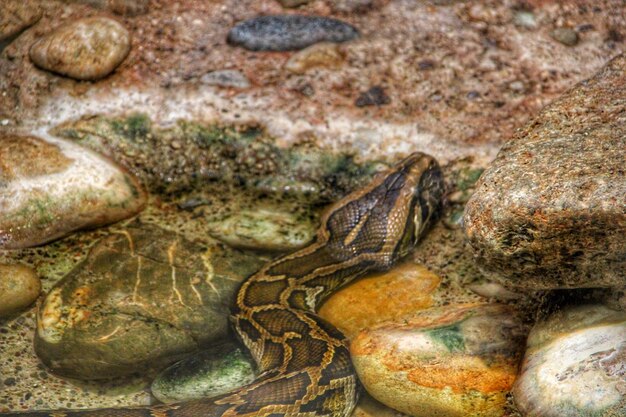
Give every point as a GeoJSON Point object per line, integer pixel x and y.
{"type": "Point", "coordinates": [86, 49]}
{"type": "Point", "coordinates": [289, 32]}
{"type": "Point", "coordinates": [567, 36]}
{"type": "Point", "coordinates": [19, 287]}
{"type": "Point", "coordinates": [323, 54]}
{"type": "Point", "coordinates": [226, 79]}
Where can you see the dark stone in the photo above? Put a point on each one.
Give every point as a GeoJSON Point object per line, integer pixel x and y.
{"type": "Point", "coordinates": [375, 96]}
{"type": "Point", "coordinates": [289, 32]}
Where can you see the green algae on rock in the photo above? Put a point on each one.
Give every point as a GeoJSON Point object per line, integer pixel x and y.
{"type": "Point", "coordinates": [19, 287]}
{"type": "Point", "coordinates": [209, 373]}
{"type": "Point", "coordinates": [453, 361]}
{"type": "Point", "coordinates": [550, 211]}
{"type": "Point", "coordinates": [575, 365]}
{"type": "Point", "coordinates": [187, 155]}
{"type": "Point", "coordinates": [142, 299]}
{"type": "Point", "coordinates": [52, 188]}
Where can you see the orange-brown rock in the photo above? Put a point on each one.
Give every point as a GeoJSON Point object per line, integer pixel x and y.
{"type": "Point", "coordinates": [453, 361]}
{"type": "Point", "coordinates": [381, 297]}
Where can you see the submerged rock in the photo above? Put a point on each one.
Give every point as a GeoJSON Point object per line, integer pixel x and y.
{"type": "Point", "coordinates": [50, 189]}
{"type": "Point", "coordinates": [380, 297]}
{"type": "Point", "coordinates": [191, 155]}
{"type": "Point", "coordinates": [209, 373]}
{"type": "Point", "coordinates": [19, 287]}
{"type": "Point", "coordinates": [550, 211]}
{"type": "Point", "coordinates": [324, 54]}
{"type": "Point", "coordinates": [575, 365]}
{"type": "Point", "coordinates": [265, 228]}
{"type": "Point", "coordinates": [289, 32]}
{"type": "Point", "coordinates": [454, 361]}
{"type": "Point", "coordinates": [85, 49]}
{"type": "Point", "coordinates": [142, 299]}
{"type": "Point", "coordinates": [16, 16]}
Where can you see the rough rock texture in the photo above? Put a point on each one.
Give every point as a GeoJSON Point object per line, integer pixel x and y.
{"type": "Point", "coordinates": [550, 212]}
{"type": "Point", "coordinates": [380, 297]}
{"type": "Point", "coordinates": [15, 16]}
{"type": "Point", "coordinates": [50, 189]}
{"type": "Point", "coordinates": [87, 49]}
{"type": "Point", "coordinates": [19, 287]}
{"type": "Point", "coordinates": [453, 361]}
{"type": "Point", "coordinates": [142, 299]}
{"type": "Point", "coordinates": [289, 32]}
{"type": "Point", "coordinates": [575, 365]}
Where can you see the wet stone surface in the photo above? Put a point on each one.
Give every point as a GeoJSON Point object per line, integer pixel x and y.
{"type": "Point", "coordinates": [87, 49]}
{"type": "Point", "coordinates": [575, 364]}
{"type": "Point", "coordinates": [142, 299]}
{"type": "Point", "coordinates": [19, 288]}
{"type": "Point", "coordinates": [550, 210]}
{"type": "Point", "coordinates": [458, 360]}
{"type": "Point", "coordinates": [209, 373]}
{"type": "Point", "coordinates": [289, 32]}
{"type": "Point", "coordinates": [50, 189]}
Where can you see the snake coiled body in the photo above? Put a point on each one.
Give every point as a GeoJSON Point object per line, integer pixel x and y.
{"type": "Point", "coordinates": [303, 361]}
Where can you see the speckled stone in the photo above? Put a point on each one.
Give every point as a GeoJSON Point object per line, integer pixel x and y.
{"type": "Point", "coordinates": [567, 36]}
{"type": "Point", "coordinates": [550, 211]}
{"type": "Point", "coordinates": [453, 361]}
{"type": "Point", "coordinates": [17, 15]}
{"type": "Point", "coordinates": [209, 373]}
{"type": "Point", "coordinates": [226, 79]}
{"type": "Point", "coordinates": [380, 297]}
{"type": "Point", "coordinates": [289, 32]}
{"type": "Point", "coordinates": [142, 299]}
{"type": "Point", "coordinates": [85, 49]}
{"type": "Point", "coordinates": [50, 189]}
{"type": "Point", "coordinates": [575, 365]}
{"type": "Point", "coordinates": [323, 54]}
{"type": "Point", "coordinates": [19, 287]}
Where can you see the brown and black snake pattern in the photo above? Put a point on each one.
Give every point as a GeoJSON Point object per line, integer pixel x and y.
{"type": "Point", "coordinates": [303, 361]}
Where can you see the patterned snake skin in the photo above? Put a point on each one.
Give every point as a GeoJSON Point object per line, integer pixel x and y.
{"type": "Point", "coordinates": [303, 361]}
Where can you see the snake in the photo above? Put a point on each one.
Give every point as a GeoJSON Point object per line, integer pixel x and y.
{"type": "Point", "coordinates": [303, 361]}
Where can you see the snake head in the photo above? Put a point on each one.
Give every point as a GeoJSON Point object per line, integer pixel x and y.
{"type": "Point", "coordinates": [381, 222]}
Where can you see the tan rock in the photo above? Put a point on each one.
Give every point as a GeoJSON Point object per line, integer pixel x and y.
{"type": "Point", "coordinates": [550, 211]}
{"type": "Point", "coordinates": [17, 15]}
{"type": "Point", "coordinates": [324, 54]}
{"type": "Point", "coordinates": [19, 287]}
{"type": "Point", "coordinates": [50, 189]}
{"type": "Point", "coordinates": [380, 297]}
{"type": "Point", "coordinates": [86, 49]}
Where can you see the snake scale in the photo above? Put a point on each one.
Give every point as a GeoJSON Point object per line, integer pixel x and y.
{"type": "Point", "coordinates": [303, 361]}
